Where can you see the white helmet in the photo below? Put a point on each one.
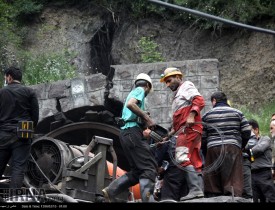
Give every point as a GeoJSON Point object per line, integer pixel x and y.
{"type": "Point", "coordinates": [146, 77]}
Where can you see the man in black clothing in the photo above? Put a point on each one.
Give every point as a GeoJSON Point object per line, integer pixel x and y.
{"type": "Point", "coordinates": [17, 103]}
{"type": "Point", "coordinates": [174, 184]}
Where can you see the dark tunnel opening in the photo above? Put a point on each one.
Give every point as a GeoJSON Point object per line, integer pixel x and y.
{"type": "Point", "coordinates": [101, 61]}
{"type": "Point", "coordinates": [101, 46]}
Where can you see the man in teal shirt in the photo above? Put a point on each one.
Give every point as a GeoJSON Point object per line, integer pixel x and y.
{"type": "Point", "coordinates": [136, 148]}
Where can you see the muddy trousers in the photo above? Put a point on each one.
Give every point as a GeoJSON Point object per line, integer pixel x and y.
{"type": "Point", "coordinates": [115, 188]}
{"type": "Point", "coordinates": [121, 184]}
{"type": "Point", "coordinates": [194, 183]}
{"type": "Point", "coordinates": [147, 190]}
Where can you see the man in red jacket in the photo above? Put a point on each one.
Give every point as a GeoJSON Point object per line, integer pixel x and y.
{"type": "Point", "coordinates": [186, 107]}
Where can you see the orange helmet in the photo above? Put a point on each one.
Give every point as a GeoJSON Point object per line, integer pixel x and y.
{"type": "Point", "coordinates": [169, 72]}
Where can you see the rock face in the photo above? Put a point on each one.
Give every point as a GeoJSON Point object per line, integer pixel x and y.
{"type": "Point", "coordinates": [61, 29]}
{"type": "Point", "coordinates": [246, 59]}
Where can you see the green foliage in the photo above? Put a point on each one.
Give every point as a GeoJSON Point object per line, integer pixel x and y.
{"type": "Point", "coordinates": [244, 11]}
{"type": "Point", "coordinates": [26, 7]}
{"type": "Point", "coordinates": [47, 68]}
{"type": "Point", "coordinates": [143, 9]}
{"type": "Point", "coordinates": [262, 116]}
{"type": "Point", "coordinates": [148, 49]}
{"type": "Point", "coordinates": [6, 24]}
{"type": "Point", "coordinates": [7, 35]}
{"type": "Point", "coordinates": [12, 14]}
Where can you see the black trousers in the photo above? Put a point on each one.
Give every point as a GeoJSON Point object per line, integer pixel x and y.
{"type": "Point", "coordinates": [247, 180]}
{"type": "Point", "coordinates": [174, 184]}
{"type": "Point", "coordinates": [263, 186]}
{"type": "Point", "coordinates": [19, 152]}
{"type": "Point", "coordinates": [139, 155]}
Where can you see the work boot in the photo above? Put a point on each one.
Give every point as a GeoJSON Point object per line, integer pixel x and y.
{"type": "Point", "coordinates": [115, 188]}
{"type": "Point", "coordinates": [147, 190]}
{"type": "Point", "coordinates": [194, 183]}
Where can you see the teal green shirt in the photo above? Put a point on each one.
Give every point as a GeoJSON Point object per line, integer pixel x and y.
{"type": "Point", "coordinates": [127, 115]}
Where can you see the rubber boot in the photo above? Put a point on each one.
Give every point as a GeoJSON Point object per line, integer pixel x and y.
{"type": "Point", "coordinates": [115, 188]}
{"type": "Point", "coordinates": [194, 182]}
{"type": "Point", "coordinates": [147, 190]}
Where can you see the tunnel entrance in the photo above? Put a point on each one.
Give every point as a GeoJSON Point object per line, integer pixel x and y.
{"type": "Point", "coordinates": [101, 46]}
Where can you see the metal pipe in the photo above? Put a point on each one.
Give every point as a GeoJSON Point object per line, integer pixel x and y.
{"type": "Point", "coordinates": [205, 15]}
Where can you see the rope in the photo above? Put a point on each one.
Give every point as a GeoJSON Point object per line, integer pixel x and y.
{"type": "Point", "coordinates": [211, 167]}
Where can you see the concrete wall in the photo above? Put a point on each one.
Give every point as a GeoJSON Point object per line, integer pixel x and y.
{"type": "Point", "coordinates": [89, 90]}
{"type": "Point", "coordinates": [78, 92]}
{"type": "Point", "coordinates": [203, 73]}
